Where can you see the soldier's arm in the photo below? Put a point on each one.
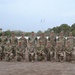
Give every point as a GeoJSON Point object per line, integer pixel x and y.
{"type": "Point", "coordinates": [16, 40]}
{"type": "Point", "coordinates": [5, 50]}
{"type": "Point", "coordinates": [72, 50]}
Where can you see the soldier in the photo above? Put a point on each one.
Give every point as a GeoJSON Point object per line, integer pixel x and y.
{"type": "Point", "coordinates": [40, 51]}
{"type": "Point", "coordinates": [69, 51]}
{"type": "Point", "coordinates": [73, 54]}
{"type": "Point", "coordinates": [62, 39]}
{"type": "Point", "coordinates": [20, 52]}
{"type": "Point", "coordinates": [13, 39]}
{"type": "Point", "coordinates": [43, 39]}
{"type": "Point", "coordinates": [52, 38]}
{"type": "Point", "coordinates": [31, 52]}
{"type": "Point", "coordinates": [71, 39]}
{"type": "Point", "coordinates": [0, 53]}
{"type": "Point", "coordinates": [23, 41]}
{"type": "Point", "coordinates": [49, 51]}
{"type": "Point", "coordinates": [8, 52]}
{"type": "Point", "coordinates": [59, 52]}
{"type": "Point", "coordinates": [3, 39]}
{"type": "Point", "coordinates": [32, 38]}
{"type": "Point", "coordinates": [14, 42]}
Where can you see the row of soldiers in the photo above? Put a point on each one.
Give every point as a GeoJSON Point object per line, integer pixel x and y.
{"type": "Point", "coordinates": [32, 49]}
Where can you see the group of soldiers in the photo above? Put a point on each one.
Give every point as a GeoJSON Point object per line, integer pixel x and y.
{"type": "Point", "coordinates": [53, 48]}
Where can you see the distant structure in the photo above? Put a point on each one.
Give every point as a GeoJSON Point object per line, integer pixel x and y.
{"type": "Point", "coordinates": [0, 30]}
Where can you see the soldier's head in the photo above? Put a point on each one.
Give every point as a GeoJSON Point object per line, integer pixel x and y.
{"type": "Point", "coordinates": [32, 33]}
{"type": "Point", "coordinates": [19, 43]}
{"type": "Point", "coordinates": [13, 34]}
{"type": "Point", "coordinates": [68, 43]}
{"type": "Point", "coordinates": [42, 35]}
{"type": "Point", "coordinates": [58, 43]}
{"type": "Point", "coordinates": [22, 35]}
{"type": "Point", "coordinates": [48, 43]}
{"type": "Point", "coordinates": [61, 33]}
{"type": "Point", "coordinates": [70, 33]}
{"type": "Point", "coordinates": [52, 33]}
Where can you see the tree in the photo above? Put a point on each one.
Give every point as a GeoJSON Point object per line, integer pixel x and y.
{"type": "Point", "coordinates": [39, 32]}
{"type": "Point", "coordinates": [8, 33]}
{"type": "Point", "coordinates": [65, 27]}
{"type": "Point", "coordinates": [72, 27]}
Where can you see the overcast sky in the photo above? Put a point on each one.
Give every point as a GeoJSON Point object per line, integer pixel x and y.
{"type": "Point", "coordinates": [34, 15]}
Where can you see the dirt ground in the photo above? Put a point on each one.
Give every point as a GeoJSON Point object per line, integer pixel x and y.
{"type": "Point", "coordinates": [37, 68]}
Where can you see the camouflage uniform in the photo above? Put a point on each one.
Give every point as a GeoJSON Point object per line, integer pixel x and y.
{"type": "Point", "coordinates": [0, 52]}
{"type": "Point", "coordinates": [8, 52]}
{"type": "Point", "coordinates": [71, 39]}
{"type": "Point", "coordinates": [32, 38]}
{"type": "Point", "coordinates": [73, 54]}
{"type": "Point", "coordinates": [3, 39]}
{"type": "Point", "coordinates": [62, 39]}
{"type": "Point", "coordinates": [31, 52]}
{"type": "Point", "coordinates": [23, 41]}
{"type": "Point", "coordinates": [49, 51]}
{"type": "Point", "coordinates": [40, 51]}
{"type": "Point", "coordinates": [14, 42]}
{"type": "Point", "coordinates": [59, 52]}
{"type": "Point", "coordinates": [69, 50]}
{"type": "Point", "coordinates": [52, 38]}
{"type": "Point", "coordinates": [43, 39]}
{"type": "Point", "coordinates": [20, 52]}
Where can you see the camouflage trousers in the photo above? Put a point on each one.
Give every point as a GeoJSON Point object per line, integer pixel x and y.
{"type": "Point", "coordinates": [50, 56]}
{"type": "Point", "coordinates": [31, 56]}
{"type": "Point", "coordinates": [60, 57]}
{"type": "Point", "coordinates": [20, 56]}
{"type": "Point", "coordinates": [8, 57]}
{"type": "Point", "coordinates": [41, 56]}
{"type": "Point", "coordinates": [69, 57]}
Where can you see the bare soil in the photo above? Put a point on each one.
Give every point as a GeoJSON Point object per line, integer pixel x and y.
{"type": "Point", "coordinates": [37, 68]}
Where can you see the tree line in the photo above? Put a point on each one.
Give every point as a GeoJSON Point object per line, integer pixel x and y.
{"type": "Point", "coordinates": [63, 27]}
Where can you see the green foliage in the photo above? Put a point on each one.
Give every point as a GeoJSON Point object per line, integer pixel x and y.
{"type": "Point", "coordinates": [8, 33]}
{"type": "Point", "coordinates": [65, 27]}
{"type": "Point", "coordinates": [73, 32]}
{"type": "Point", "coordinates": [72, 27]}
{"type": "Point", "coordinates": [0, 34]}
